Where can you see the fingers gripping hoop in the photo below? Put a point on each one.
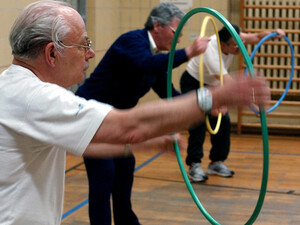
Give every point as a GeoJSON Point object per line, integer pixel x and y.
{"type": "Point", "coordinates": [291, 72]}
{"type": "Point", "coordinates": [247, 60]}
{"type": "Point", "coordinates": [201, 76]}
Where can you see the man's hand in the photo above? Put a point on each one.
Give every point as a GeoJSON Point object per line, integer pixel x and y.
{"type": "Point", "coordinates": [280, 33]}
{"type": "Point", "coordinates": [241, 91]}
{"type": "Point", "coordinates": [197, 47]}
{"type": "Point", "coordinates": [164, 142]}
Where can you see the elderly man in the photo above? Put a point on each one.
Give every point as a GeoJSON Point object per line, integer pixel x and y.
{"type": "Point", "coordinates": [40, 120]}
{"type": "Point", "coordinates": [131, 67]}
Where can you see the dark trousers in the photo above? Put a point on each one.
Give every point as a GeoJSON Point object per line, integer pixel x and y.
{"type": "Point", "coordinates": [220, 142]}
{"type": "Point", "coordinates": [110, 177]}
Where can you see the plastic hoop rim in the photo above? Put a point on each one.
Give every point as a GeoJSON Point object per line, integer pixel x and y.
{"type": "Point", "coordinates": [201, 76]}
{"type": "Point", "coordinates": [247, 60]}
{"type": "Point", "coordinates": [291, 72]}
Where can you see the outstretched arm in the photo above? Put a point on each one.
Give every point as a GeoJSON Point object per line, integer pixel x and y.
{"type": "Point", "coordinates": [102, 150]}
{"type": "Point", "coordinates": [253, 38]}
{"type": "Point", "coordinates": [166, 116]}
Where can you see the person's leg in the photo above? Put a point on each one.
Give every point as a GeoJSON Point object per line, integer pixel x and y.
{"type": "Point", "coordinates": [121, 195]}
{"type": "Point", "coordinates": [220, 147]}
{"type": "Point", "coordinates": [195, 153]}
{"type": "Point", "coordinates": [196, 135]}
{"type": "Point", "coordinates": [220, 141]}
{"type": "Point", "coordinates": [100, 174]}
{"type": "Point", "coordinates": [195, 144]}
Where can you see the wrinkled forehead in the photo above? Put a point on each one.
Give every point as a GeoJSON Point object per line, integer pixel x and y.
{"type": "Point", "coordinates": [72, 16]}
{"type": "Point", "coordinates": [75, 22]}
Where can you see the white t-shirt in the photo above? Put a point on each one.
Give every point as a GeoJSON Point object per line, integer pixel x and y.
{"type": "Point", "coordinates": [39, 123]}
{"type": "Point", "coordinates": [211, 63]}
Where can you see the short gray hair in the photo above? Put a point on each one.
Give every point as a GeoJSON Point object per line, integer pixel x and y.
{"type": "Point", "coordinates": [37, 25]}
{"type": "Point", "coordinates": [164, 13]}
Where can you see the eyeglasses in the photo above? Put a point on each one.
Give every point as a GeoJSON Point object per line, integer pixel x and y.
{"type": "Point", "coordinates": [86, 47]}
{"type": "Point", "coordinates": [173, 31]}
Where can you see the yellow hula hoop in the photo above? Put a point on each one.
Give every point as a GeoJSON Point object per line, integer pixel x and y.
{"type": "Point", "coordinates": [202, 33]}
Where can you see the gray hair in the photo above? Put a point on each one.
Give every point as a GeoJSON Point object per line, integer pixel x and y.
{"type": "Point", "coordinates": [164, 13]}
{"type": "Point", "coordinates": [38, 24]}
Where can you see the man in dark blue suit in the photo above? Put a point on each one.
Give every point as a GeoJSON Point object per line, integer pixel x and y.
{"type": "Point", "coordinates": [129, 69]}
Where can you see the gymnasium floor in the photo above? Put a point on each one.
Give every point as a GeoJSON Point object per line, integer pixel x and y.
{"type": "Point", "coordinates": [160, 196]}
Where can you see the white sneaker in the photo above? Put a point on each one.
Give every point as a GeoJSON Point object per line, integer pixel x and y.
{"type": "Point", "coordinates": [219, 168]}
{"type": "Point", "coordinates": [196, 173]}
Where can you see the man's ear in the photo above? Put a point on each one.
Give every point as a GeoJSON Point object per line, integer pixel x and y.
{"type": "Point", "coordinates": [156, 27]}
{"type": "Point", "coordinates": [223, 44]}
{"type": "Point", "coordinates": [50, 54]}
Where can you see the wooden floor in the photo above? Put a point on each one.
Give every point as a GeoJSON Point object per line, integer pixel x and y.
{"type": "Point", "coordinates": [160, 196]}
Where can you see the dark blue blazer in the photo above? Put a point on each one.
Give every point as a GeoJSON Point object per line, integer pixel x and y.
{"type": "Point", "coordinates": [128, 71]}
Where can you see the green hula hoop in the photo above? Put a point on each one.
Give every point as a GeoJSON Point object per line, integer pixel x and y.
{"type": "Point", "coordinates": [263, 122]}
